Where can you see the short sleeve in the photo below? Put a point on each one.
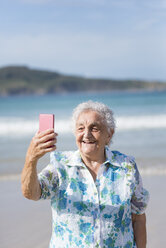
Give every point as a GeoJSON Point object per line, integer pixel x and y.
{"type": "Point", "coordinates": [140, 195]}
{"type": "Point", "coordinates": [48, 179]}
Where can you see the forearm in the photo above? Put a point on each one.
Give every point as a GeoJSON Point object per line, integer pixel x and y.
{"type": "Point", "coordinates": [29, 180]}
{"type": "Point", "coordinates": [41, 144]}
{"type": "Point", "coordinates": [139, 226]}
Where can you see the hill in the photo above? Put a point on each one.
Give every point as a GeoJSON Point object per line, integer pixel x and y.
{"type": "Point", "coordinates": [15, 80]}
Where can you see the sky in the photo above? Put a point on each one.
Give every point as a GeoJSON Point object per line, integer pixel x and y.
{"type": "Point", "coordinates": [119, 39]}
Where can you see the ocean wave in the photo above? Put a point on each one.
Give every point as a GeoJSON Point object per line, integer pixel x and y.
{"type": "Point", "coordinates": [157, 171]}
{"type": "Point", "coordinates": [141, 122]}
{"type": "Point", "coordinates": [20, 127]}
{"type": "Point", "coordinates": [10, 177]}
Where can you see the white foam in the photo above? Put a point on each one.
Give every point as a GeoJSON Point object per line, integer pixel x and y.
{"type": "Point", "coordinates": [141, 122]}
{"type": "Point", "coordinates": [149, 171]}
{"type": "Point", "coordinates": [20, 127]}
{"type": "Point", "coordinates": [10, 177]}
{"type": "Point", "coordinates": [157, 171]}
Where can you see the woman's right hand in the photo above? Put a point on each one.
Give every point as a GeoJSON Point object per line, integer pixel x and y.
{"type": "Point", "coordinates": [41, 143]}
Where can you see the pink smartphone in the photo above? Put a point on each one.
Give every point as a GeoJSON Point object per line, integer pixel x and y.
{"type": "Point", "coordinates": [46, 121]}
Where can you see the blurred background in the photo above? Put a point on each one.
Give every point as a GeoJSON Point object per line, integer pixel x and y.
{"type": "Point", "coordinates": [94, 38]}
{"type": "Point", "coordinates": [55, 54]}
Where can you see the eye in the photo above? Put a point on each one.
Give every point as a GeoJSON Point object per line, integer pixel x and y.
{"type": "Point", "coordinates": [95, 129]}
{"type": "Point", "coordinates": [80, 129]}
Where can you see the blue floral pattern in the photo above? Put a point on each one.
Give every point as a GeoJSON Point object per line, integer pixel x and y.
{"type": "Point", "coordinates": [88, 213]}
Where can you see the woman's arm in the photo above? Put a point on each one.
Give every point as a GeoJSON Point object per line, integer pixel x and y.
{"type": "Point", "coordinates": [139, 227]}
{"type": "Point", "coordinates": [41, 144]}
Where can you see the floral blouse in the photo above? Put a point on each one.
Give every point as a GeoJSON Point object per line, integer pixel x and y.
{"type": "Point", "coordinates": [88, 213]}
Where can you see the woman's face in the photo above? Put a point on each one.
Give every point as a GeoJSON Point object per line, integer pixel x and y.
{"type": "Point", "coordinates": [91, 134]}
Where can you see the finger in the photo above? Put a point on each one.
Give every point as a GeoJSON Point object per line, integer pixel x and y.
{"type": "Point", "coordinates": [47, 144]}
{"type": "Point", "coordinates": [37, 132]}
{"type": "Point", "coordinates": [41, 135]}
{"type": "Point", "coordinates": [45, 132]}
{"type": "Point", "coordinates": [50, 149]}
{"type": "Point", "coordinates": [44, 148]}
{"type": "Point", "coordinates": [47, 138]}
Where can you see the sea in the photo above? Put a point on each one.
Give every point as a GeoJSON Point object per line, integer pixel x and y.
{"type": "Point", "coordinates": [140, 127]}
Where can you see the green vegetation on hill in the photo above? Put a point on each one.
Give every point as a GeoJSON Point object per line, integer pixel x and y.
{"type": "Point", "coordinates": [16, 80]}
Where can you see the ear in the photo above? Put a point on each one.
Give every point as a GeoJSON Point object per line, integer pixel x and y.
{"type": "Point", "coordinates": [110, 134]}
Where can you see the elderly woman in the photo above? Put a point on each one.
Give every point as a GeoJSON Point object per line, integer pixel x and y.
{"type": "Point", "coordinates": [96, 194]}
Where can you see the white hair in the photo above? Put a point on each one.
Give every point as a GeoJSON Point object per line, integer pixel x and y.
{"type": "Point", "coordinates": [105, 112]}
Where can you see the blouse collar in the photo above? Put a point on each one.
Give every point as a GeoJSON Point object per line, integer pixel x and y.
{"type": "Point", "coordinates": [76, 160]}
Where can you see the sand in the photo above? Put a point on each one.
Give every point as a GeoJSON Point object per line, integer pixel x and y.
{"type": "Point", "coordinates": [27, 224]}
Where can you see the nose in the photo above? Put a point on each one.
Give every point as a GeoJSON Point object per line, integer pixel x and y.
{"type": "Point", "coordinates": [87, 133]}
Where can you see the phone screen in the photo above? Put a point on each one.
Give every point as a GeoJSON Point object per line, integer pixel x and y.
{"type": "Point", "coordinates": [46, 121]}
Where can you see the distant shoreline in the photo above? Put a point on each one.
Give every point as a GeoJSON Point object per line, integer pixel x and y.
{"type": "Point", "coordinates": [20, 80]}
{"type": "Point", "coordinates": [132, 91]}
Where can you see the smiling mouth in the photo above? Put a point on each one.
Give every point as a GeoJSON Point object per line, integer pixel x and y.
{"type": "Point", "coordinates": [88, 142]}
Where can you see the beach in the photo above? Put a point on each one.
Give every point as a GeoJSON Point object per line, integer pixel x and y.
{"type": "Point", "coordinates": [26, 223]}
{"type": "Point", "coordinates": [140, 132]}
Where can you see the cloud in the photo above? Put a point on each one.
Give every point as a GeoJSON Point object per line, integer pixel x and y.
{"type": "Point", "coordinates": [36, 1]}
{"type": "Point", "coordinates": [123, 4]}
{"type": "Point", "coordinates": [87, 54]}
{"type": "Point", "coordinates": [156, 5]}
{"type": "Point", "coordinates": [146, 23]}
{"type": "Point", "coordinates": [113, 38]}
{"type": "Point", "coordinates": [86, 3]}
{"type": "Point", "coordinates": [63, 2]}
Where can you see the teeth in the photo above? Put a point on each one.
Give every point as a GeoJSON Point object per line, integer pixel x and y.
{"type": "Point", "coordinates": [88, 142]}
